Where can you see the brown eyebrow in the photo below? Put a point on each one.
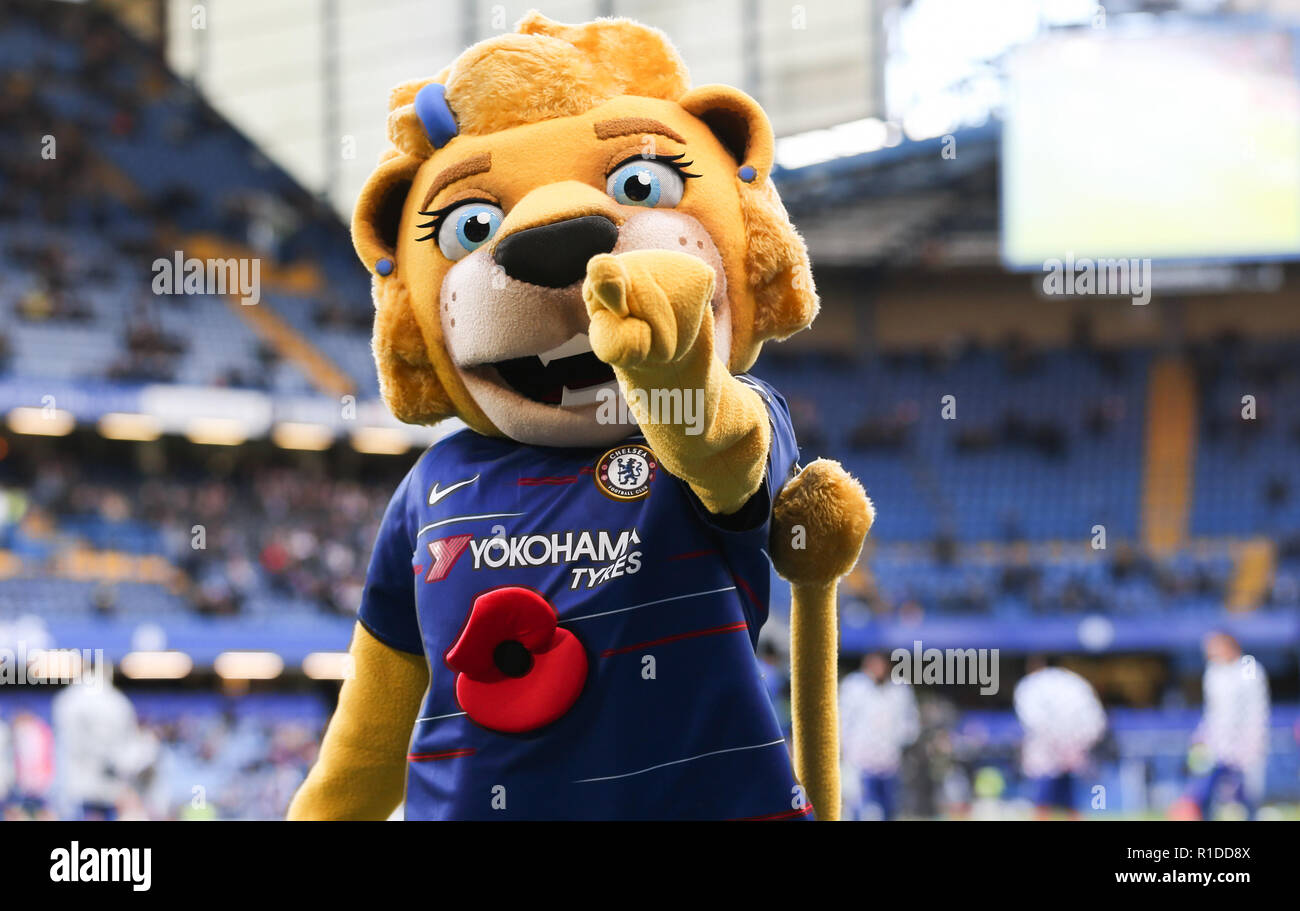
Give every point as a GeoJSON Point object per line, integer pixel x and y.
{"type": "Point", "coordinates": [475, 164]}
{"type": "Point", "coordinates": [626, 126]}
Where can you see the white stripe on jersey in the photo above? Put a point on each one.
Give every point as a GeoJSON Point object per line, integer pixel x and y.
{"type": "Point", "coordinates": [756, 746]}
{"type": "Point", "coordinates": [746, 381]}
{"type": "Point", "coordinates": [716, 591]}
{"type": "Point", "coordinates": [486, 515]}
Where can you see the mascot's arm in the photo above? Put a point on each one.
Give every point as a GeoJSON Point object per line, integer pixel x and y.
{"type": "Point", "coordinates": [652, 322]}
{"type": "Point", "coordinates": [361, 770]}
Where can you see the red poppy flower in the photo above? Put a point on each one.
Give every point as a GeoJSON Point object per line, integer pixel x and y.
{"type": "Point", "coordinates": [516, 669]}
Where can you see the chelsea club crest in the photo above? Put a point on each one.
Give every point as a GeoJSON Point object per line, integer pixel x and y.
{"type": "Point", "coordinates": [625, 472]}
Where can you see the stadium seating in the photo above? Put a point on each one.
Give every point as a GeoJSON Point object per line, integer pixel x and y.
{"type": "Point", "coordinates": [1247, 470]}
{"type": "Point", "coordinates": [163, 166]}
{"type": "Point", "coordinates": [1040, 473]}
{"type": "Point", "coordinates": [1044, 446]}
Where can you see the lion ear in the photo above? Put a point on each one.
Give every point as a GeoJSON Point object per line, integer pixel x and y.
{"type": "Point", "coordinates": [378, 213]}
{"type": "Point", "coordinates": [407, 378]}
{"type": "Point", "coordinates": [776, 260]}
{"type": "Point", "coordinates": [738, 122]}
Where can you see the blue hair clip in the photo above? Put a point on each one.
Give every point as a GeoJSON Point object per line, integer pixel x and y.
{"type": "Point", "coordinates": [435, 116]}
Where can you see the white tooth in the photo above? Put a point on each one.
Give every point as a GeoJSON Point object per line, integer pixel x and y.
{"type": "Point", "coordinates": [579, 344]}
{"type": "Point", "coordinates": [588, 396]}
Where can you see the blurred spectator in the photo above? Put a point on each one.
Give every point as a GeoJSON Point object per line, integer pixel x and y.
{"type": "Point", "coordinates": [301, 534]}
{"type": "Point", "coordinates": [889, 433]}
{"type": "Point", "coordinates": [807, 422]}
{"type": "Point", "coordinates": [1104, 415]}
{"type": "Point", "coordinates": [6, 764]}
{"type": "Point", "coordinates": [33, 752]}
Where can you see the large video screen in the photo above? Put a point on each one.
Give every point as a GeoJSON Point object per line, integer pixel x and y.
{"type": "Point", "coordinates": [1172, 146]}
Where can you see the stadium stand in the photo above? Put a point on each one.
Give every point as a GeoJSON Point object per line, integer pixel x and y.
{"type": "Point", "coordinates": [1049, 442]}
{"type": "Point", "coordinates": [146, 167]}
{"type": "Point", "coordinates": [1028, 422]}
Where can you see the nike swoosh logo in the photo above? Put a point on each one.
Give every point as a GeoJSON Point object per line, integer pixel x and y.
{"type": "Point", "coordinates": [436, 492]}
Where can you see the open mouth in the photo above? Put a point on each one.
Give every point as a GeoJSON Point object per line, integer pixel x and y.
{"type": "Point", "coordinates": [566, 375]}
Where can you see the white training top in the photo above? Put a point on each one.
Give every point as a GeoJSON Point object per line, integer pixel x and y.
{"type": "Point", "coordinates": [1062, 718]}
{"type": "Point", "coordinates": [98, 742]}
{"type": "Point", "coordinates": [877, 720]}
{"type": "Point", "coordinates": [1235, 726]}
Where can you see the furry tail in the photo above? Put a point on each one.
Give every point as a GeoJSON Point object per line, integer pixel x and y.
{"type": "Point", "coordinates": [820, 522]}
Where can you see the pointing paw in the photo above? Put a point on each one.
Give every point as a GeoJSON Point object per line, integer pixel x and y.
{"type": "Point", "coordinates": [646, 306]}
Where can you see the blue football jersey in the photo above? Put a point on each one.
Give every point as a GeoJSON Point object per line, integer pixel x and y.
{"type": "Point", "coordinates": [590, 633]}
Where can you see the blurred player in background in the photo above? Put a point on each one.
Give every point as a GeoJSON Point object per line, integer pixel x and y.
{"type": "Point", "coordinates": [1234, 730]}
{"type": "Point", "coordinates": [33, 761]}
{"type": "Point", "coordinates": [101, 748]}
{"type": "Point", "coordinates": [6, 765]}
{"type": "Point", "coordinates": [1063, 719]}
{"type": "Point", "coordinates": [878, 719]}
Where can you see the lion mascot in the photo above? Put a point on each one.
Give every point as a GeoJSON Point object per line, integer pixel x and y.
{"type": "Point", "coordinates": [579, 256]}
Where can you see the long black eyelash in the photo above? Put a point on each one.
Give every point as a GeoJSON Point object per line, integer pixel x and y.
{"type": "Point", "coordinates": [440, 215]}
{"type": "Point", "coordinates": [673, 161]}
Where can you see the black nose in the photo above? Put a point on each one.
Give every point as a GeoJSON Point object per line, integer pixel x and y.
{"type": "Point", "coordinates": [556, 255]}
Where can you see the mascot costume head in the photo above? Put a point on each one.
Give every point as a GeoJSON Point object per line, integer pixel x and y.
{"type": "Point", "coordinates": [566, 142]}
{"type": "Point", "coordinates": [579, 256]}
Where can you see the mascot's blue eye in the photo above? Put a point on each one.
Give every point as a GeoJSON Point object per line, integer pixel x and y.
{"type": "Point", "coordinates": [646, 183]}
{"type": "Point", "coordinates": [466, 228]}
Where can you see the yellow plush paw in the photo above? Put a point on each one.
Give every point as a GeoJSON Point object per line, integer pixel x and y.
{"type": "Point", "coordinates": [819, 523]}
{"type": "Point", "coordinates": [646, 306]}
